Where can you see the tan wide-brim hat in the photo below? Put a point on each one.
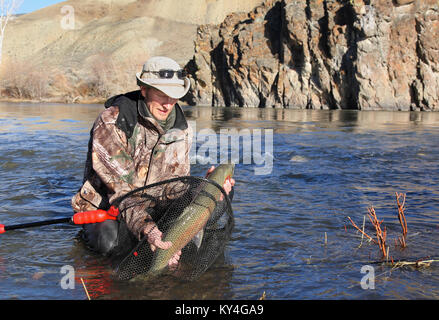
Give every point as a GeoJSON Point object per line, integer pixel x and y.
{"type": "Point", "coordinates": [173, 87]}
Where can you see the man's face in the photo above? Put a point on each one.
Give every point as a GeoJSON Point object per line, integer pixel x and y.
{"type": "Point", "coordinates": [159, 104]}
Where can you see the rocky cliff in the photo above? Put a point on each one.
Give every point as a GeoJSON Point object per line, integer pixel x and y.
{"type": "Point", "coordinates": [321, 54]}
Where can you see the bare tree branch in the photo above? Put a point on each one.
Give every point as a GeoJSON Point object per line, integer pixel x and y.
{"type": "Point", "coordinates": [7, 9]}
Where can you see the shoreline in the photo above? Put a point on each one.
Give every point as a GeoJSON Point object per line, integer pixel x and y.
{"type": "Point", "coordinates": [54, 100]}
{"type": "Point", "coordinates": [99, 101]}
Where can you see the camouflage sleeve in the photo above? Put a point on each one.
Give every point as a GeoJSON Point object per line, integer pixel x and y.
{"type": "Point", "coordinates": [177, 189]}
{"type": "Point", "coordinates": [110, 157]}
{"type": "Point", "coordinates": [134, 213]}
{"type": "Point", "coordinates": [115, 167]}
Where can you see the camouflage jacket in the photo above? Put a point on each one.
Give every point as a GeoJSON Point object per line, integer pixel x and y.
{"type": "Point", "coordinates": [128, 150]}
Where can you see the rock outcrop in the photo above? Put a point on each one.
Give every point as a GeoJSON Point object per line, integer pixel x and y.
{"type": "Point", "coordinates": [322, 54]}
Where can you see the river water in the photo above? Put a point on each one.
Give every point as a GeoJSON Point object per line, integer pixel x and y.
{"type": "Point", "coordinates": [308, 172]}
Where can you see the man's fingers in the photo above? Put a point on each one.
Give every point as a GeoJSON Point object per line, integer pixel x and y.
{"type": "Point", "coordinates": [174, 260]}
{"type": "Point", "coordinates": [155, 240]}
{"type": "Point", "coordinates": [163, 245]}
{"type": "Point", "coordinates": [228, 184]}
{"type": "Point", "coordinates": [210, 171]}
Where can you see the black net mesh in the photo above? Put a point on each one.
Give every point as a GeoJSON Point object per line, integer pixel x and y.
{"type": "Point", "coordinates": [195, 214]}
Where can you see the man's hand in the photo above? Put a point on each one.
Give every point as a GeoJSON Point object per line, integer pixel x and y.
{"type": "Point", "coordinates": [228, 184]}
{"type": "Point", "coordinates": [154, 237]}
{"type": "Point", "coordinates": [173, 262]}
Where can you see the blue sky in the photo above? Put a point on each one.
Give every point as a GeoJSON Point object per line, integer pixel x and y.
{"type": "Point", "coordinates": [32, 5]}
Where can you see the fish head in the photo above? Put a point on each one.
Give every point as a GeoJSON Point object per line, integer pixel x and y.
{"type": "Point", "coordinates": [228, 170]}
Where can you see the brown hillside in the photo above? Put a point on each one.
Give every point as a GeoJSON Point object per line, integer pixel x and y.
{"type": "Point", "coordinates": [110, 41]}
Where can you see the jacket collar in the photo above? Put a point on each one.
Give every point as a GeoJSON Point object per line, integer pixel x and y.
{"type": "Point", "coordinates": [131, 108]}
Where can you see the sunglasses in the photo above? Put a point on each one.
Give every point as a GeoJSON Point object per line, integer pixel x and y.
{"type": "Point", "coordinates": [168, 74]}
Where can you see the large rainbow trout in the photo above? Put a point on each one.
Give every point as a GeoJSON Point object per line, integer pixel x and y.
{"type": "Point", "coordinates": [190, 224]}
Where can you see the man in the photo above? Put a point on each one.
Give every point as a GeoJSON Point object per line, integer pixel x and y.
{"type": "Point", "coordinates": [142, 137]}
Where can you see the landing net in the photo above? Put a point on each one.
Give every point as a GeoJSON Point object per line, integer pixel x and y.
{"type": "Point", "coordinates": [193, 213]}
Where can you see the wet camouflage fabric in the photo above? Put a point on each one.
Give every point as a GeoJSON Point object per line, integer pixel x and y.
{"type": "Point", "coordinates": [117, 165]}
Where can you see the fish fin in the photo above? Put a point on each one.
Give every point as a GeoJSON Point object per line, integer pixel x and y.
{"type": "Point", "coordinates": [198, 239]}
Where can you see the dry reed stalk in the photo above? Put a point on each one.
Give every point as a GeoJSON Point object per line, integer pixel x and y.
{"type": "Point", "coordinates": [85, 289]}
{"type": "Point", "coordinates": [380, 234]}
{"type": "Point", "coordinates": [401, 218]}
{"type": "Point", "coordinates": [362, 231]}
{"type": "Point", "coordinates": [362, 236]}
{"type": "Point", "coordinates": [417, 264]}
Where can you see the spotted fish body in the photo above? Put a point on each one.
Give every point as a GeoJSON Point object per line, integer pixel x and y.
{"type": "Point", "coordinates": [191, 222]}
